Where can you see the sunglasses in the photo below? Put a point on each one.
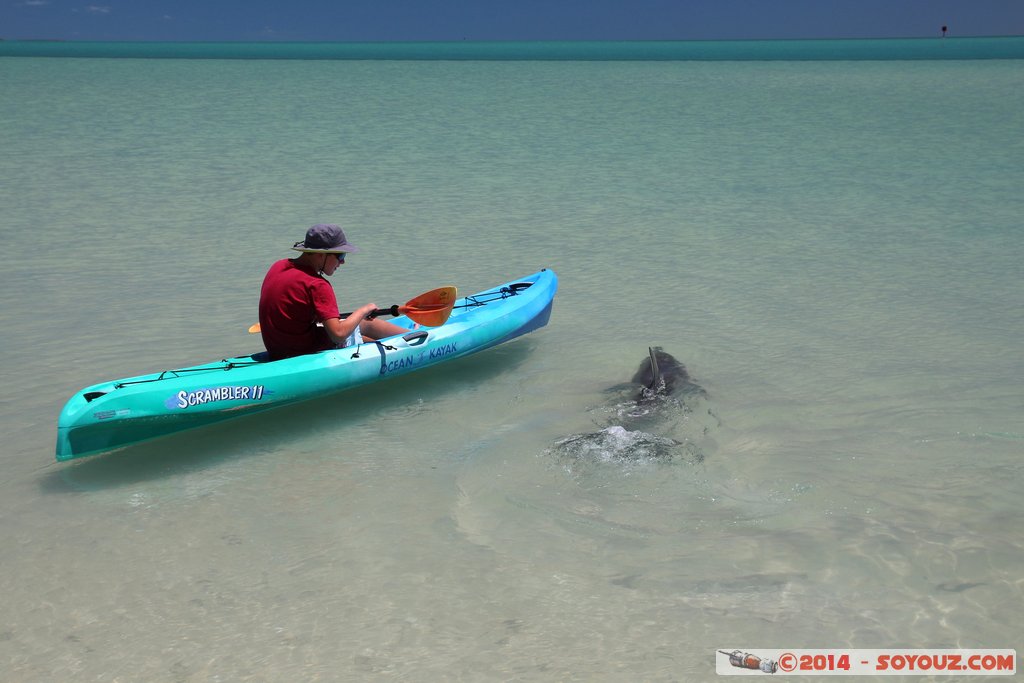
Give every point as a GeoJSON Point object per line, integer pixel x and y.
{"type": "Point", "coordinates": [341, 256]}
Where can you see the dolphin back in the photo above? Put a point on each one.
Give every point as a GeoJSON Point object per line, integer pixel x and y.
{"type": "Point", "coordinates": [660, 372]}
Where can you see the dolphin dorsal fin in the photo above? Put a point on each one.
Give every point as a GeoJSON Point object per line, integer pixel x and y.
{"type": "Point", "coordinates": [656, 384]}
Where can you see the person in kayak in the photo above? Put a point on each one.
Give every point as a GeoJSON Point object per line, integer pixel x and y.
{"type": "Point", "coordinates": [296, 296]}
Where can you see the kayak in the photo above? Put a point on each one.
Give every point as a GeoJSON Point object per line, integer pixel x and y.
{"type": "Point", "coordinates": [119, 413]}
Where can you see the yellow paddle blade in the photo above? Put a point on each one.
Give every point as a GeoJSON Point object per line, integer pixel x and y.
{"type": "Point", "coordinates": [431, 308]}
{"type": "Point", "coordinates": [254, 329]}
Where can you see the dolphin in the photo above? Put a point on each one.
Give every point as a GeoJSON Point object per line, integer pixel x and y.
{"type": "Point", "coordinates": [660, 374]}
{"type": "Point", "coordinates": [654, 401]}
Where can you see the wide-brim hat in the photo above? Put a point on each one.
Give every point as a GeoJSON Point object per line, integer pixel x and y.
{"type": "Point", "coordinates": [324, 238]}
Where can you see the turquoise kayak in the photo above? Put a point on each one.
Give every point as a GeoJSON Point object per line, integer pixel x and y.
{"type": "Point", "coordinates": [112, 415]}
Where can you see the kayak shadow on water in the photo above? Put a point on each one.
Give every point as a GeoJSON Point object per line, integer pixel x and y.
{"type": "Point", "coordinates": [269, 432]}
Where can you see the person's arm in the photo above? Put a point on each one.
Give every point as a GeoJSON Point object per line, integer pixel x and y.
{"type": "Point", "coordinates": [339, 330]}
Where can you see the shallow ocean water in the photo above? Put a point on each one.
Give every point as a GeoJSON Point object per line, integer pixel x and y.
{"type": "Point", "coordinates": [833, 249]}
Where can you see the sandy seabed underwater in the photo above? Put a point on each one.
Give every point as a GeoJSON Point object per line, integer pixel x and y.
{"type": "Point", "coordinates": [833, 250]}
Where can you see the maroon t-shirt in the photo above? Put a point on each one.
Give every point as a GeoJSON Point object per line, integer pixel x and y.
{"type": "Point", "coordinates": [292, 302]}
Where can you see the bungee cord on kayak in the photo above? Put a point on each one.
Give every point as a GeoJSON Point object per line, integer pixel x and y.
{"type": "Point", "coordinates": [471, 301]}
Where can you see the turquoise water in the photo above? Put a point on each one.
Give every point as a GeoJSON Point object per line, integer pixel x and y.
{"type": "Point", "coordinates": [994, 47]}
{"type": "Point", "coordinates": [833, 248]}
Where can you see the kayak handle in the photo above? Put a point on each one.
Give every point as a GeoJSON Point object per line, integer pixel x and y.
{"type": "Point", "coordinates": [416, 337]}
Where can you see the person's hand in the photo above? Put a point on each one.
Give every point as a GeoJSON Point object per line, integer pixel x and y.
{"type": "Point", "coordinates": [366, 311]}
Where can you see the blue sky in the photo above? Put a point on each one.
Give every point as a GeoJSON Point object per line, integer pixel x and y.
{"type": "Point", "coordinates": [387, 20]}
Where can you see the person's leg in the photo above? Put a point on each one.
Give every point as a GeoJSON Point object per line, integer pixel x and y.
{"type": "Point", "coordinates": [378, 329]}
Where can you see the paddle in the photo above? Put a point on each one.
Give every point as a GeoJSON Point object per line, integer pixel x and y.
{"type": "Point", "coordinates": [430, 309]}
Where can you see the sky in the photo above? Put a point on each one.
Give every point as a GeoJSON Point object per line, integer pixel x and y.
{"type": "Point", "coordinates": [489, 20]}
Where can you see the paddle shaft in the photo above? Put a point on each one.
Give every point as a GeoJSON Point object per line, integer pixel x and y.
{"type": "Point", "coordinates": [430, 308]}
{"type": "Point", "coordinates": [393, 311]}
